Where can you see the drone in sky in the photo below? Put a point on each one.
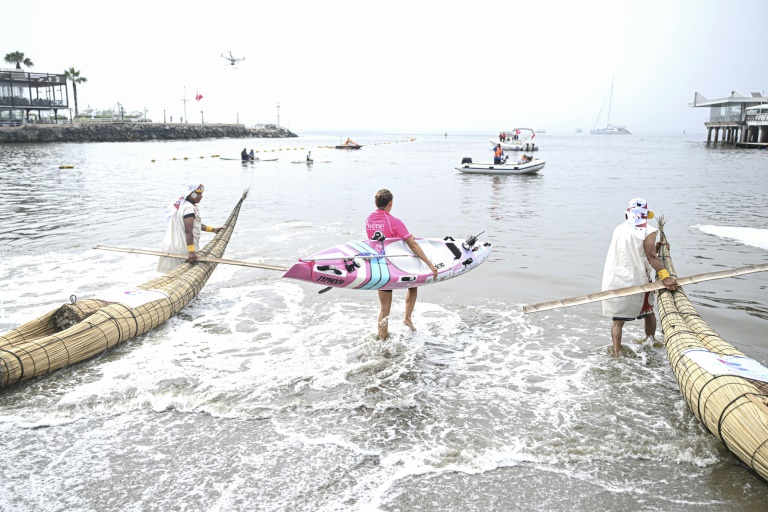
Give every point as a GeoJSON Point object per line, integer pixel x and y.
{"type": "Point", "coordinates": [232, 59]}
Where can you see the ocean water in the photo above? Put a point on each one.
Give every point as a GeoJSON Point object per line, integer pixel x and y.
{"type": "Point", "coordinates": [264, 395]}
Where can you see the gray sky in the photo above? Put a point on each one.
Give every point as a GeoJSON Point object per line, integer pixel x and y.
{"type": "Point", "coordinates": [405, 66]}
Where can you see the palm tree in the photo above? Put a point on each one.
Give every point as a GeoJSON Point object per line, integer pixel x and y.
{"type": "Point", "coordinates": [18, 59]}
{"type": "Point", "coordinates": [74, 75]}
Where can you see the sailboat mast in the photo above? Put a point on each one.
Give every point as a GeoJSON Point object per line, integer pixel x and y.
{"type": "Point", "coordinates": [610, 100]}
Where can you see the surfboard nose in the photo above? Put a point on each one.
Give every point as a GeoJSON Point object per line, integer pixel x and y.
{"type": "Point", "coordinates": [301, 271]}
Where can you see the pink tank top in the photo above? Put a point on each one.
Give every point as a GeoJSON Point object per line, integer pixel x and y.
{"type": "Point", "coordinates": [390, 227]}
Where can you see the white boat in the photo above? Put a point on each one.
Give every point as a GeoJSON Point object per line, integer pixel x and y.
{"type": "Point", "coordinates": [523, 142]}
{"type": "Point", "coordinates": [531, 167]}
{"type": "Point", "coordinates": [610, 129]}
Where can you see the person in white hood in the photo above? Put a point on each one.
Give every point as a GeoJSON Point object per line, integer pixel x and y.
{"type": "Point", "coordinates": [183, 234]}
{"type": "Point", "coordinates": [631, 258]}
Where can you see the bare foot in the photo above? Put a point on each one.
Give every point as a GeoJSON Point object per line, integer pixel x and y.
{"type": "Point", "coordinates": [408, 322]}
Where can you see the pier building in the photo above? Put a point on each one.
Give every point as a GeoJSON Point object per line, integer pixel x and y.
{"type": "Point", "coordinates": [742, 120]}
{"type": "Point", "coordinates": [22, 92]}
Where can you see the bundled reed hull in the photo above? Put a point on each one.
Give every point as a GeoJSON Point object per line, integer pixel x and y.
{"type": "Point", "coordinates": [733, 408]}
{"type": "Point", "coordinates": [40, 346]}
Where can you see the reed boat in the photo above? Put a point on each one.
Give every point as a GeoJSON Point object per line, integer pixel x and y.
{"type": "Point", "coordinates": [726, 390]}
{"type": "Point", "coordinates": [80, 330]}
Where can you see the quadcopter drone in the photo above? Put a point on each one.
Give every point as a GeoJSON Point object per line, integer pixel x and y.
{"type": "Point", "coordinates": [232, 59]}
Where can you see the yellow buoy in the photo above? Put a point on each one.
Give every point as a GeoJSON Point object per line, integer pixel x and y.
{"type": "Point", "coordinates": [202, 156]}
{"type": "Point", "coordinates": [174, 158]}
{"type": "Point", "coordinates": [186, 158]}
{"type": "Point", "coordinates": [66, 167]}
{"type": "Point", "coordinates": [153, 160]}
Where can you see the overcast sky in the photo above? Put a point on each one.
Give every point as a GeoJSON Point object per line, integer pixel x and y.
{"type": "Point", "coordinates": [404, 66]}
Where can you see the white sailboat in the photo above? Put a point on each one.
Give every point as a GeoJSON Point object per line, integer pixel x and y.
{"type": "Point", "coordinates": [610, 129]}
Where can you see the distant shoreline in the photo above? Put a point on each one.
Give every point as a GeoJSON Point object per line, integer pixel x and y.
{"type": "Point", "coordinates": [134, 132]}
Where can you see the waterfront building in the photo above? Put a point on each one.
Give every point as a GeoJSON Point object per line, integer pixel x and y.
{"type": "Point", "coordinates": [22, 93]}
{"type": "Point", "coordinates": [741, 123]}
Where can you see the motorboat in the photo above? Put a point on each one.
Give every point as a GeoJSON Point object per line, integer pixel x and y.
{"type": "Point", "coordinates": [518, 139]}
{"type": "Point", "coordinates": [532, 166]}
{"type": "Point", "coordinates": [610, 129]}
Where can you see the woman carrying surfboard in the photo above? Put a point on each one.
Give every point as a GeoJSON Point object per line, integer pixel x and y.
{"type": "Point", "coordinates": [379, 226]}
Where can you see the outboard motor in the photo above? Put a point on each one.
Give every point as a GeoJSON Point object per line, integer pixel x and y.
{"type": "Point", "coordinates": [466, 160]}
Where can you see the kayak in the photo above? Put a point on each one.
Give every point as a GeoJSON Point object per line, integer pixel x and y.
{"type": "Point", "coordinates": [310, 162]}
{"type": "Point", "coordinates": [348, 147]}
{"type": "Point", "coordinates": [389, 264]}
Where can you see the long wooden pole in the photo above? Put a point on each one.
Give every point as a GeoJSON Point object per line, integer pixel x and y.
{"type": "Point", "coordinates": [199, 258]}
{"type": "Point", "coordinates": [632, 290]}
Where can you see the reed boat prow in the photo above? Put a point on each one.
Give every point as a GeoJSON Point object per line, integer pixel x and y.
{"type": "Point", "coordinates": [726, 390]}
{"type": "Point", "coordinates": [80, 330]}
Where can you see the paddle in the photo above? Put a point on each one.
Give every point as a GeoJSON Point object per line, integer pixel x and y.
{"type": "Point", "coordinates": [363, 256]}
{"type": "Point", "coordinates": [632, 290]}
{"type": "Point", "coordinates": [206, 259]}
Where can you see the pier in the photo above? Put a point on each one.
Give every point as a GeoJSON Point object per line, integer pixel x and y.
{"type": "Point", "coordinates": [738, 120]}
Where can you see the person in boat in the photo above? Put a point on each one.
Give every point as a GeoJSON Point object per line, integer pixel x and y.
{"type": "Point", "coordinates": [498, 153]}
{"type": "Point", "coordinates": [349, 142]}
{"type": "Point", "coordinates": [244, 155]}
{"type": "Point", "coordinates": [309, 157]}
{"type": "Point", "coordinates": [382, 223]}
{"type": "Point", "coordinates": [525, 159]}
{"type": "Point", "coordinates": [251, 155]}
{"type": "Point", "coordinates": [632, 256]}
{"type": "Point", "coordinates": [183, 233]}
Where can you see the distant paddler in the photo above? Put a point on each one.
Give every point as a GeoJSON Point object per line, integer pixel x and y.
{"type": "Point", "coordinates": [631, 258]}
{"type": "Point", "coordinates": [183, 234]}
{"type": "Point", "coordinates": [349, 142]}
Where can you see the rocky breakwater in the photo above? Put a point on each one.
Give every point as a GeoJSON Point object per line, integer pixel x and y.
{"type": "Point", "coordinates": [133, 132]}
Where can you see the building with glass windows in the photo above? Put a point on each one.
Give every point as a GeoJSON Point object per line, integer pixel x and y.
{"type": "Point", "coordinates": [735, 116]}
{"type": "Point", "coordinates": [31, 97]}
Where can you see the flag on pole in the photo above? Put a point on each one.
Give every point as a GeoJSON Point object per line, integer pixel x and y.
{"type": "Point", "coordinates": [198, 96]}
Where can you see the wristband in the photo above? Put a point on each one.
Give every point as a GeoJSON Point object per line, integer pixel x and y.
{"type": "Point", "coordinates": [191, 248]}
{"type": "Point", "coordinates": [209, 228]}
{"type": "Point", "coordinates": [663, 274]}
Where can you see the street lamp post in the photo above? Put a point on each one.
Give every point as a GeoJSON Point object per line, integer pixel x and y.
{"type": "Point", "coordinates": [163, 116]}
{"type": "Point", "coordinates": [145, 114]}
{"type": "Point", "coordinates": [202, 118]}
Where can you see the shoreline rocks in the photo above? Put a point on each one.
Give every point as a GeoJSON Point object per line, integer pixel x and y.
{"type": "Point", "coordinates": [135, 132]}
